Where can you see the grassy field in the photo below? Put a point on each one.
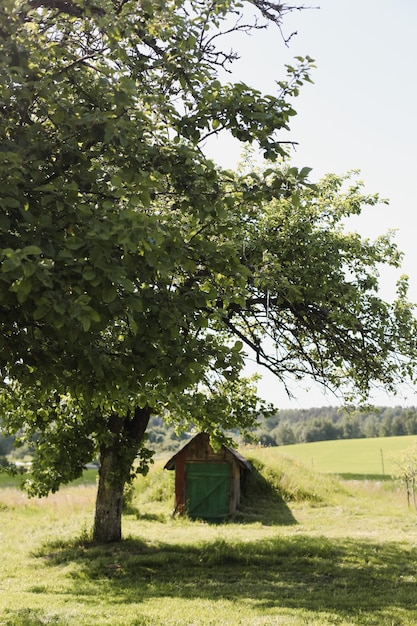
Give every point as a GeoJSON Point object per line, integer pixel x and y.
{"type": "Point", "coordinates": [88, 478]}
{"type": "Point", "coordinates": [306, 549]}
{"type": "Point", "coordinates": [350, 457]}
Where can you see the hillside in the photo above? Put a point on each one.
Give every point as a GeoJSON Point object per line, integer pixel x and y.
{"type": "Point", "coordinates": [371, 457]}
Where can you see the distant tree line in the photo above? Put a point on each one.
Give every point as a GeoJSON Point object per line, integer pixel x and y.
{"type": "Point", "coordinates": [285, 427]}
{"type": "Point", "coordinates": [290, 426]}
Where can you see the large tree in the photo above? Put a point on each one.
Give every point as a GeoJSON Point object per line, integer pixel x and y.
{"type": "Point", "coordinates": [135, 273]}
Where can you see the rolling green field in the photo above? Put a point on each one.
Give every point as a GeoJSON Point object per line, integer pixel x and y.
{"type": "Point", "coordinates": [349, 457]}
{"type": "Point", "coordinates": [306, 549]}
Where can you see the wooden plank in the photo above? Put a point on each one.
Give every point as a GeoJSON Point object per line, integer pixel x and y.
{"type": "Point", "coordinates": [180, 484]}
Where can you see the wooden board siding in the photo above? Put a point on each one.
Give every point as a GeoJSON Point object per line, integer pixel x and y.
{"type": "Point", "coordinates": [180, 485]}
{"type": "Point", "coordinates": [199, 451]}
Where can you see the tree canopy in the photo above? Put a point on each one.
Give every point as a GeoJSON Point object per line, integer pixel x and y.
{"type": "Point", "coordinates": [135, 272]}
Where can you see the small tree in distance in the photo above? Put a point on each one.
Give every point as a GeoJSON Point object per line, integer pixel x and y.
{"type": "Point", "coordinates": [407, 473]}
{"type": "Point", "coordinates": [136, 274]}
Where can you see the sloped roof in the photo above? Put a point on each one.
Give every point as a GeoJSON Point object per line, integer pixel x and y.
{"type": "Point", "coordinates": [244, 463]}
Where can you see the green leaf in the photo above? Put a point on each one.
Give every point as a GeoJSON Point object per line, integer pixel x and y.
{"type": "Point", "coordinates": [22, 288]}
{"type": "Point", "coordinates": [31, 250]}
{"type": "Point", "coordinates": [109, 293]}
{"type": "Point", "coordinates": [13, 203]}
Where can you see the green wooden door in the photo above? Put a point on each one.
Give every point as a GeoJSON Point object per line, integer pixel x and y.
{"type": "Point", "coordinates": [207, 490]}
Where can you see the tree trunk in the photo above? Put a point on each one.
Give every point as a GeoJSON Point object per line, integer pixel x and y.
{"type": "Point", "coordinates": [116, 460]}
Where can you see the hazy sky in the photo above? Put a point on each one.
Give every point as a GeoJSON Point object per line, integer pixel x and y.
{"type": "Point", "coordinates": [360, 113]}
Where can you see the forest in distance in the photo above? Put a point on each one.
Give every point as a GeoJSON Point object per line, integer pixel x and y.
{"type": "Point", "coordinates": [289, 426]}
{"type": "Point", "coordinates": [285, 427]}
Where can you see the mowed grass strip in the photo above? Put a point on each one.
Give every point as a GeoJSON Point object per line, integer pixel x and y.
{"type": "Point", "coordinates": [299, 579]}
{"type": "Point", "coordinates": [373, 457]}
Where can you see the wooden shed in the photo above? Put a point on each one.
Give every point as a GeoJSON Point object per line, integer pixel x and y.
{"type": "Point", "coordinates": [207, 483]}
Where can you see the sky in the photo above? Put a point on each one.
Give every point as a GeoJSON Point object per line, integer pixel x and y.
{"type": "Point", "coordinates": [360, 113]}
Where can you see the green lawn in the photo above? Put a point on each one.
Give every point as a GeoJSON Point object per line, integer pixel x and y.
{"type": "Point", "coordinates": [354, 457]}
{"type": "Point", "coordinates": [331, 553]}
{"type": "Point", "coordinates": [89, 477]}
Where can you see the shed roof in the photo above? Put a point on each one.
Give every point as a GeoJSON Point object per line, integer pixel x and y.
{"type": "Point", "coordinates": [244, 463]}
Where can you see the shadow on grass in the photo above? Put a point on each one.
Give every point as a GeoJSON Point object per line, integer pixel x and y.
{"type": "Point", "coordinates": [364, 582]}
{"type": "Point", "coordinates": [262, 502]}
{"type": "Point", "coordinates": [377, 477]}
